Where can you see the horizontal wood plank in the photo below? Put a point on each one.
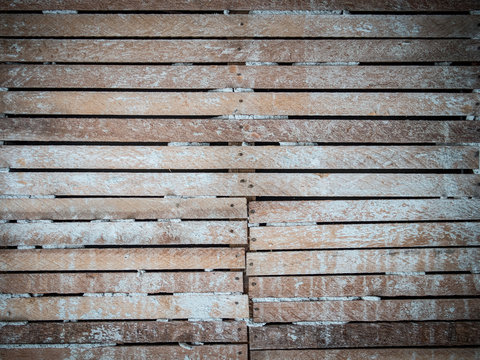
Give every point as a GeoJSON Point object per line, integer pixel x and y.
{"type": "Point", "coordinates": [364, 210]}
{"type": "Point", "coordinates": [127, 282]}
{"type": "Point", "coordinates": [362, 261]}
{"type": "Point", "coordinates": [212, 51]}
{"type": "Point", "coordinates": [258, 25]}
{"type": "Point", "coordinates": [350, 335]}
{"type": "Point", "coordinates": [366, 310]}
{"type": "Point", "coordinates": [231, 184]}
{"type": "Point", "coordinates": [124, 332]}
{"type": "Point", "coordinates": [122, 208]}
{"type": "Point", "coordinates": [124, 233]}
{"type": "Point", "coordinates": [364, 236]}
{"type": "Point", "coordinates": [122, 259]}
{"type": "Point", "coordinates": [180, 306]}
{"type": "Point", "coordinates": [226, 157]}
{"type": "Point", "coordinates": [217, 130]}
{"type": "Point", "coordinates": [265, 104]}
{"type": "Point", "coordinates": [365, 285]}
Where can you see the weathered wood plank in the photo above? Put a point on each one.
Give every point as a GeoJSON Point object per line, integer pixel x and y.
{"type": "Point", "coordinates": [352, 335]}
{"type": "Point", "coordinates": [362, 261]}
{"type": "Point", "coordinates": [365, 285]}
{"type": "Point", "coordinates": [213, 130]}
{"type": "Point", "coordinates": [266, 103]}
{"type": "Point", "coordinates": [226, 157]}
{"type": "Point", "coordinates": [124, 233]}
{"type": "Point", "coordinates": [122, 259]}
{"type": "Point", "coordinates": [258, 25]}
{"type": "Point", "coordinates": [163, 352]}
{"type": "Point", "coordinates": [211, 51]}
{"type": "Point", "coordinates": [127, 282]}
{"type": "Point", "coordinates": [242, 184]}
{"type": "Point", "coordinates": [361, 354]}
{"type": "Point", "coordinates": [178, 306]}
{"type": "Point", "coordinates": [124, 332]}
{"type": "Point", "coordinates": [233, 76]}
{"type": "Point", "coordinates": [366, 310]}
{"type": "Point", "coordinates": [122, 208]}
{"type": "Point", "coordinates": [364, 236]}
{"type": "Point", "coordinates": [364, 210]}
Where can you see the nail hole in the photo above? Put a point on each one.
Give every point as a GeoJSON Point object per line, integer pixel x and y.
{"type": "Point", "coordinates": [236, 302]}
{"type": "Point", "coordinates": [243, 180]}
{"type": "Point", "coordinates": [252, 211]}
{"type": "Point", "coordinates": [239, 353]}
{"type": "Point", "coordinates": [241, 24]}
{"type": "Point", "coordinates": [238, 74]}
{"type": "Point", "coordinates": [257, 309]}
{"type": "Point", "coordinates": [240, 154]}
{"type": "Point", "coordinates": [232, 205]}
{"type": "Point", "coordinates": [240, 127]}
{"type": "Point", "coordinates": [254, 283]}
{"type": "Point", "coordinates": [237, 278]}
{"type": "Point", "coordinates": [477, 103]}
{"type": "Point", "coordinates": [231, 230]}
{"type": "Point", "coordinates": [240, 100]}
{"type": "Point", "coordinates": [250, 186]}
{"type": "Point", "coordinates": [239, 49]}
{"type": "Point", "coordinates": [254, 239]}
{"type": "Point", "coordinates": [251, 264]}
{"type": "Point", "coordinates": [239, 329]}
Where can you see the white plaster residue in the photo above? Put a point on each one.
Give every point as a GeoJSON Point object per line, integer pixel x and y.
{"type": "Point", "coordinates": [3, 89]}
{"type": "Point", "coordinates": [251, 323]}
{"type": "Point", "coordinates": [260, 63]}
{"type": "Point", "coordinates": [371, 298]}
{"type": "Point", "coordinates": [59, 12]}
{"type": "Point", "coordinates": [405, 273]}
{"type": "Point", "coordinates": [314, 323]}
{"type": "Point", "coordinates": [306, 299]}
{"type": "Point", "coordinates": [185, 346]}
{"type": "Point", "coordinates": [297, 12]}
{"type": "Point", "coordinates": [25, 247]}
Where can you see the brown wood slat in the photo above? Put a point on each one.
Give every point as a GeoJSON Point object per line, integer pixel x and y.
{"type": "Point", "coordinates": [233, 76]}
{"type": "Point", "coordinates": [364, 236]}
{"type": "Point", "coordinates": [350, 335]}
{"type": "Point", "coordinates": [213, 130]}
{"type": "Point", "coordinates": [125, 233]}
{"type": "Point", "coordinates": [122, 259]}
{"type": "Point", "coordinates": [211, 51]}
{"type": "Point", "coordinates": [143, 282]}
{"type": "Point", "coordinates": [259, 25]}
{"type": "Point", "coordinates": [364, 210]}
{"type": "Point", "coordinates": [200, 103]}
{"type": "Point", "coordinates": [226, 157]}
{"type": "Point", "coordinates": [124, 332]}
{"type": "Point", "coordinates": [122, 208]}
{"type": "Point", "coordinates": [231, 184]}
{"type": "Point", "coordinates": [362, 261]}
{"type": "Point", "coordinates": [366, 310]}
{"type": "Point", "coordinates": [203, 352]}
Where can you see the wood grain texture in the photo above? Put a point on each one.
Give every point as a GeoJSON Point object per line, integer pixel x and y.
{"type": "Point", "coordinates": [227, 157]}
{"type": "Point", "coordinates": [362, 261]}
{"type": "Point", "coordinates": [360, 354]}
{"type": "Point", "coordinates": [122, 259]}
{"type": "Point", "coordinates": [366, 310]}
{"type": "Point", "coordinates": [265, 104]}
{"type": "Point", "coordinates": [364, 236]}
{"type": "Point", "coordinates": [231, 184]}
{"type": "Point", "coordinates": [364, 210]}
{"type": "Point", "coordinates": [122, 208]}
{"type": "Point", "coordinates": [213, 130]}
{"type": "Point", "coordinates": [126, 282]}
{"type": "Point", "coordinates": [352, 335]}
{"type": "Point", "coordinates": [125, 233]}
{"type": "Point", "coordinates": [213, 51]}
{"type": "Point", "coordinates": [124, 332]}
{"type": "Point", "coordinates": [365, 285]}
{"type": "Point", "coordinates": [162, 352]}
{"type": "Point", "coordinates": [258, 25]}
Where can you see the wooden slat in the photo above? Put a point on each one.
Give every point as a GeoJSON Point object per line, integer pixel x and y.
{"type": "Point", "coordinates": [163, 352]}
{"type": "Point", "coordinates": [121, 259]}
{"type": "Point", "coordinates": [212, 130]}
{"type": "Point", "coordinates": [361, 354]}
{"type": "Point", "coordinates": [362, 261]}
{"type": "Point", "coordinates": [364, 210]}
{"type": "Point", "coordinates": [352, 335]}
{"type": "Point", "coordinates": [123, 332]}
{"type": "Point", "coordinates": [365, 285]}
{"type": "Point", "coordinates": [364, 236]}
{"type": "Point", "coordinates": [118, 208]}
{"type": "Point", "coordinates": [227, 157]}
{"type": "Point", "coordinates": [231, 184]}
{"type": "Point", "coordinates": [259, 25]}
{"type": "Point", "coordinates": [366, 310]}
{"type": "Point", "coordinates": [124, 233]}
{"type": "Point", "coordinates": [233, 76]}
{"type": "Point", "coordinates": [167, 282]}
{"type": "Point", "coordinates": [200, 103]}
{"type": "Point", "coordinates": [180, 306]}
{"type": "Point", "coordinates": [211, 5]}
{"type": "Point", "coordinates": [174, 51]}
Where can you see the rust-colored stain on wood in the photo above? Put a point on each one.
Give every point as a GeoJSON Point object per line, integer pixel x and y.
{"type": "Point", "coordinates": [251, 180]}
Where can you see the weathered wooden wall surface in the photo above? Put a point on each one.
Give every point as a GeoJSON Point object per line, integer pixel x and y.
{"type": "Point", "coordinates": [222, 179]}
